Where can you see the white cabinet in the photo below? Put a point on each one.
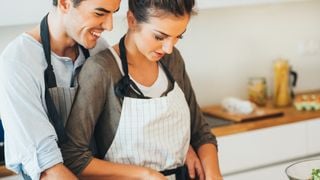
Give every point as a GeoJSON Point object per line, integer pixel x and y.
{"type": "Point", "coordinates": [265, 153]}
{"type": "Point", "coordinates": [313, 134]}
{"type": "Point", "coordinates": [261, 147]}
{"type": "Point", "coordinates": [276, 172]}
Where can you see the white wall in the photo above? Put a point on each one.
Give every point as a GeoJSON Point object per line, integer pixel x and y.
{"type": "Point", "coordinates": [225, 46]}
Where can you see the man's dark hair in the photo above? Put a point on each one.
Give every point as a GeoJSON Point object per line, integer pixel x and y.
{"type": "Point", "coordinates": [75, 2]}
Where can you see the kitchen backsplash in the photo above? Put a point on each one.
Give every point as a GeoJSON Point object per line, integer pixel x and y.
{"type": "Point", "coordinates": [223, 47]}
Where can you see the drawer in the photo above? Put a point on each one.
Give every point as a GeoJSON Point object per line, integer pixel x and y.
{"type": "Point", "coordinates": [261, 147]}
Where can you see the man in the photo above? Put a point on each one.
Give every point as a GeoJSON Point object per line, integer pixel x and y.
{"type": "Point", "coordinates": [37, 85]}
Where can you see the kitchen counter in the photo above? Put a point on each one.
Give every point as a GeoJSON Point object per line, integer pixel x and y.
{"type": "Point", "coordinates": [221, 127]}
{"type": "Point", "coordinates": [5, 172]}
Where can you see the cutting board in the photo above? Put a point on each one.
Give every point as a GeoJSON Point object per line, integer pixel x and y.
{"type": "Point", "coordinates": [258, 113]}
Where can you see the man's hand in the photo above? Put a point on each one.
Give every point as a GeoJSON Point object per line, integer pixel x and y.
{"type": "Point", "coordinates": [57, 172]}
{"type": "Point", "coordinates": [194, 165]}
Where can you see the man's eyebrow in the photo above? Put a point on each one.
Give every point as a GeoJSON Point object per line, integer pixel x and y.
{"type": "Point", "coordinates": [168, 35]}
{"type": "Point", "coordinates": [106, 11]}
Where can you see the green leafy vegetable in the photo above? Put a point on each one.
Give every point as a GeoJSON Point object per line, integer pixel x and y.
{"type": "Point", "coordinates": [315, 174]}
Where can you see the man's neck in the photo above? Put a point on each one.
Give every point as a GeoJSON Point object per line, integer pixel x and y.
{"type": "Point", "coordinates": [60, 42]}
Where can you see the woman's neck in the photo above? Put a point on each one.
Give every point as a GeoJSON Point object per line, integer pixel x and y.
{"type": "Point", "coordinates": [134, 56]}
{"type": "Point", "coordinates": [140, 68]}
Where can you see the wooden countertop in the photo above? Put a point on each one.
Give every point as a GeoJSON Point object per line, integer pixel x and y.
{"type": "Point", "coordinates": [5, 172]}
{"type": "Point", "coordinates": [291, 115]}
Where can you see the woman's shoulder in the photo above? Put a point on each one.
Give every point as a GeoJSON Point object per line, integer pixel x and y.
{"type": "Point", "coordinates": [105, 59]}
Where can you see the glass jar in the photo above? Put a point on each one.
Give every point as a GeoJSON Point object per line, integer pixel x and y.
{"type": "Point", "coordinates": [257, 90]}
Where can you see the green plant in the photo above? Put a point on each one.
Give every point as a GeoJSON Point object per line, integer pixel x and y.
{"type": "Point", "coordinates": [315, 175]}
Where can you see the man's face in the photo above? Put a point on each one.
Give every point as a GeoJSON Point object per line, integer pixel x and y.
{"type": "Point", "coordinates": [86, 22]}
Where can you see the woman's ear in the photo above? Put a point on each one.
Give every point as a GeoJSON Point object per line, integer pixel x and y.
{"type": "Point", "coordinates": [64, 5]}
{"type": "Point", "coordinates": [132, 22]}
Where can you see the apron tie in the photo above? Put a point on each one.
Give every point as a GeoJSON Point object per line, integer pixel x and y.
{"type": "Point", "coordinates": [181, 173]}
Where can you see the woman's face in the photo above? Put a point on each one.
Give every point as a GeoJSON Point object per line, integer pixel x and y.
{"type": "Point", "coordinates": [85, 23]}
{"type": "Point", "coordinates": [157, 37]}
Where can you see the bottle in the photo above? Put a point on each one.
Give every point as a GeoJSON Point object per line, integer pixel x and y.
{"type": "Point", "coordinates": [257, 90]}
{"type": "Point", "coordinates": [282, 85]}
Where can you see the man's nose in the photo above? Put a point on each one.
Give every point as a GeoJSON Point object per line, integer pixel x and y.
{"type": "Point", "coordinates": [108, 22]}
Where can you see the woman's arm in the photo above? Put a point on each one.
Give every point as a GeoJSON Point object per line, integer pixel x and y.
{"type": "Point", "coordinates": [202, 140]}
{"type": "Point", "coordinates": [209, 160]}
{"type": "Point", "coordinates": [87, 108]}
{"type": "Point", "coordinates": [101, 169]}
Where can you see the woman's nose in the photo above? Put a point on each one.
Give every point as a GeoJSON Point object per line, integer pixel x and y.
{"type": "Point", "coordinates": [167, 47]}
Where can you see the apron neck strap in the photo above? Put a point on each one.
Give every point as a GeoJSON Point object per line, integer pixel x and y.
{"type": "Point", "coordinates": [123, 56]}
{"type": "Point", "coordinates": [126, 83]}
{"type": "Point", "coordinates": [50, 78]}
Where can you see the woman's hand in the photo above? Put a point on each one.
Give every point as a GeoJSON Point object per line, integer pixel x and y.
{"type": "Point", "coordinates": [151, 174]}
{"type": "Point", "coordinates": [209, 159]}
{"type": "Point", "coordinates": [194, 165]}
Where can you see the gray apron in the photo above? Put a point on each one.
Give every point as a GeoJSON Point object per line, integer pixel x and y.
{"type": "Point", "coordinates": [58, 99]}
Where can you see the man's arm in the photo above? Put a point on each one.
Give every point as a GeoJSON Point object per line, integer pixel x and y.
{"type": "Point", "coordinates": [30, 139]}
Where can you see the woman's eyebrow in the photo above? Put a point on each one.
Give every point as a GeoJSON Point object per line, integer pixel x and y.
{"type": "Point", "coordinates": [169, 35]}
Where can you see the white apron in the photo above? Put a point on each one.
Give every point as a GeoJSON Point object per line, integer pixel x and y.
{"type": "Point", "coordinates": [153, 133]}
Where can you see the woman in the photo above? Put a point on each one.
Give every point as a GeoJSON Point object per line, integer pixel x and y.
{"type": "Point", "coordinates": [137, 101]}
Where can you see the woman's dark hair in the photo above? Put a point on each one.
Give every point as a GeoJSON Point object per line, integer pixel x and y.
{"type": "Point", "coordinates": [143, 9]}
{"type": "Point", "coordinates": [75, 2]}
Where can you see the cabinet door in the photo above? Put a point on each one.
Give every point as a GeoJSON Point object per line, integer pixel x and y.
{"type": "Point", "coordinates": [261, 147]}
{"type": "Point", "coordinates": [276, 172]}
{"type": "Point", "coordinates": [313, 136]}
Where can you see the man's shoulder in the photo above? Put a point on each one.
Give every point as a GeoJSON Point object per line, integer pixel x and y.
{"type": "Point", "coordinates": [22, 52]}
{"type": "Point", "coordinates": [22, 47]}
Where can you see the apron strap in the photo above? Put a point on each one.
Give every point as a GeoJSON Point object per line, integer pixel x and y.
{"type": "Point", "coordinates": [125, 84]}
{"type": "Point", "coordinates": [49, 77]}
{"type": "Point", "coordinates": [85, 52]}
{"type": "Point", "coordinates": [50, 82]}
{"type": "Point", "coordinates": [123, 87]}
